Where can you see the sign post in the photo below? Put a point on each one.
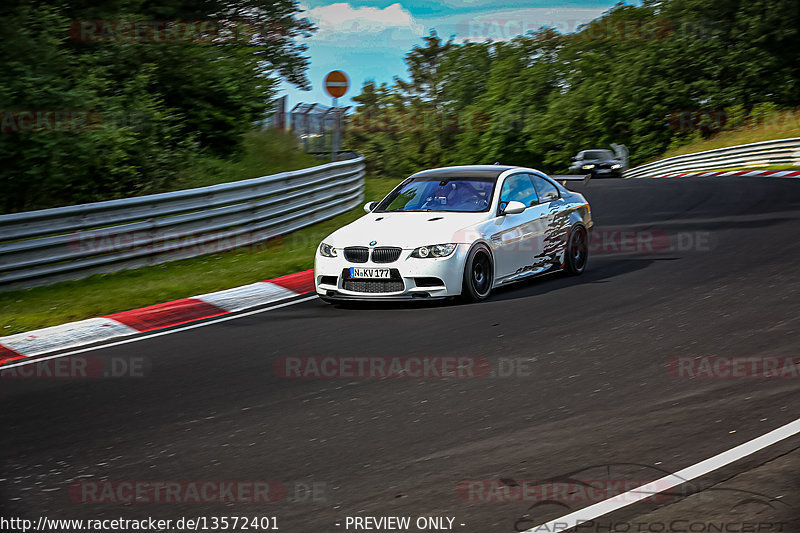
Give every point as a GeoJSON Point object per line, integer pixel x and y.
{"type": "Point", "coordinates": [336, 85]}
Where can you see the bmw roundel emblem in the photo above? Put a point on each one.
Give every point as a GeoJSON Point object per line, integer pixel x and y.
{"type": "Point", "coordinates": [373, 243]}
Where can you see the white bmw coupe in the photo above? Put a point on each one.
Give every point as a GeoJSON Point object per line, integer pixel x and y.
{"type": "Point", "coordinates": [456, 231]}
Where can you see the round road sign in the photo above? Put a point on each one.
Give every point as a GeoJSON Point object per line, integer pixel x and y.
{"type": "Point", "coordinates": [336, 83]}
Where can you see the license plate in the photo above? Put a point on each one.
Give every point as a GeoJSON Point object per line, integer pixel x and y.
{"type": "Point", "coordinates": [604, 171]}
{"type": "Point", "coordinates": [371, 273]}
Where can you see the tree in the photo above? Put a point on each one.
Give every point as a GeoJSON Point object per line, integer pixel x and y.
{"type": "Point", "coordinates": [540, 98]}
{"type": "Point", "coordinates": [151, 104]}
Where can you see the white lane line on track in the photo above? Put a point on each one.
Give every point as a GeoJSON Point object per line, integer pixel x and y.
{"type": "Point", "coordinates": [572, 520]}
{"type": "Point", "coordinates": [157, 333]}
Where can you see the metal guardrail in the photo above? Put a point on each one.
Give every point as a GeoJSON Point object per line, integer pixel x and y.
{"type": "Point", "coordinates": [778, 152]}
{"type": "Point", "coordinates": [66, 243]}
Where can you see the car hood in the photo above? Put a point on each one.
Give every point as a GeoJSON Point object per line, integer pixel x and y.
{"type": "Point", "coordinates": [407, 230]}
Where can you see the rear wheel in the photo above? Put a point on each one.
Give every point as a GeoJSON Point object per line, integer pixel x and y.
{"type": "Point", "coordinates": [577, 252]}
{"type": "Point", "coordinates": [478, 274]}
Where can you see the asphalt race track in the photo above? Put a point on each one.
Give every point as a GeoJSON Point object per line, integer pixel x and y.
{"type": "Point", "coordinates": [590, 394]}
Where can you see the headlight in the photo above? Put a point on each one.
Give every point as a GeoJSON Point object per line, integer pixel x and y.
{"type": "Point", "coordinates": [434, 250]}
{"type": "Point", "coordinates": [326, 250]}
{"type": "Point", "coordinates": [587, 167]}
{"type": "Point", "coordinates": [615, 166]}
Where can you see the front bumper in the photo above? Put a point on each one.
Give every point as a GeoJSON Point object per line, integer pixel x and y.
{"type": "Point", "coordinates": [605, 172]}
{"type": "Point", "coordinates": [411, 278]}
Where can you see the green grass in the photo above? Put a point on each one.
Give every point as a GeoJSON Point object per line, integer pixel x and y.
{"type": "Point", "coordinates": [39, 307]}
{"type": "Point", "coordinates": [264, 152]}
{"type": "Point", "coordinates": [777, 125]}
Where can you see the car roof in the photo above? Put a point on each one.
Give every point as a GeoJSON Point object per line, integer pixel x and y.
{"type": "Point", "coordinates": [465, 171]}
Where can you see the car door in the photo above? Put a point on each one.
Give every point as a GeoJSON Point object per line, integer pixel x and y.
{"type": "Point", "coordinates": [555, 220]}
{"type": "Point", "coordinates": [517, 239]}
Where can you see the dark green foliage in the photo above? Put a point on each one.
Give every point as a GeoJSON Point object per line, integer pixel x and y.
{"type": "Point", "coordinates": [133, 113]}
{"type": "Point", "coordinates": [624, 78]}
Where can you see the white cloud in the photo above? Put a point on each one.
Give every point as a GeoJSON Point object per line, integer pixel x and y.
{"type": "Point", "coordinates": [342, 23]}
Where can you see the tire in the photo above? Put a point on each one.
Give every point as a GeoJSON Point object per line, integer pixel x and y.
{"type": "Point", "coordinates": [576, 254]}
{"type": "Point", "coordinates": [478, 274]}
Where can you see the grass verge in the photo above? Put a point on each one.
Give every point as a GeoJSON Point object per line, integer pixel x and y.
{"type": "Point", "coordinates": [98, 295]}
{"type": "Point", "coordinates": [264, 152]}
{"type": "Point", "coordinates": [775, 125]}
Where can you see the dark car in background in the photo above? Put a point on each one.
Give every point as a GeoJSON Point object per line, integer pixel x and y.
{"type": "Point", "coordinates": [598, 163]}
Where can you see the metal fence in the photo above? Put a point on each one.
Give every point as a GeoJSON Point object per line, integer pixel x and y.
{"type": "Point", "coordinates": [276, 118]}
{"type": "Point", "coordinates": [760, 154]}
{"type": "Point", "coordinates": [315, 124]}
{"type": "Point", "coordinates": [50, 245]}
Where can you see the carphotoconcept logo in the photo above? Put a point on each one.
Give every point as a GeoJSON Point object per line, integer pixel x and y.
{"type": "Point", "coordinates": [566, 493]}
{"type": "Point", "coordinates": [678, 526]}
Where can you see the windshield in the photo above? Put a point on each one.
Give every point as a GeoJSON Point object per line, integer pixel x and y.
{"type": "Point", "coordinates": [598, 154]}
{"type": "Point", "coordinates": [469, 195]}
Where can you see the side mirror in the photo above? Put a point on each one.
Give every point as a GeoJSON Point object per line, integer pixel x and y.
{"type": "Point", "coordinates": [369, 206]}
{"type": "Point", "coordinates": [514, 208]}
{"type": "Point", "coordinates": [574, 157]}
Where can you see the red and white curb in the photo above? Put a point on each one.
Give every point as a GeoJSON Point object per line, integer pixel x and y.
{"type": "Point", "coordinates": [747, 173]}
{"type": "Point", "coordinates": [154, 317]}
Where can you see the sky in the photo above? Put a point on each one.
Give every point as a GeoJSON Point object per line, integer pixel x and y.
{"type": "Point", "coordinates": [367, 39]}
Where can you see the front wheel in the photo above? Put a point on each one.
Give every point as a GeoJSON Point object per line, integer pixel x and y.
{"type": "Point", "coordinates": [577, 252]}
{"type": "Point", "coordinates": [478, 274]}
